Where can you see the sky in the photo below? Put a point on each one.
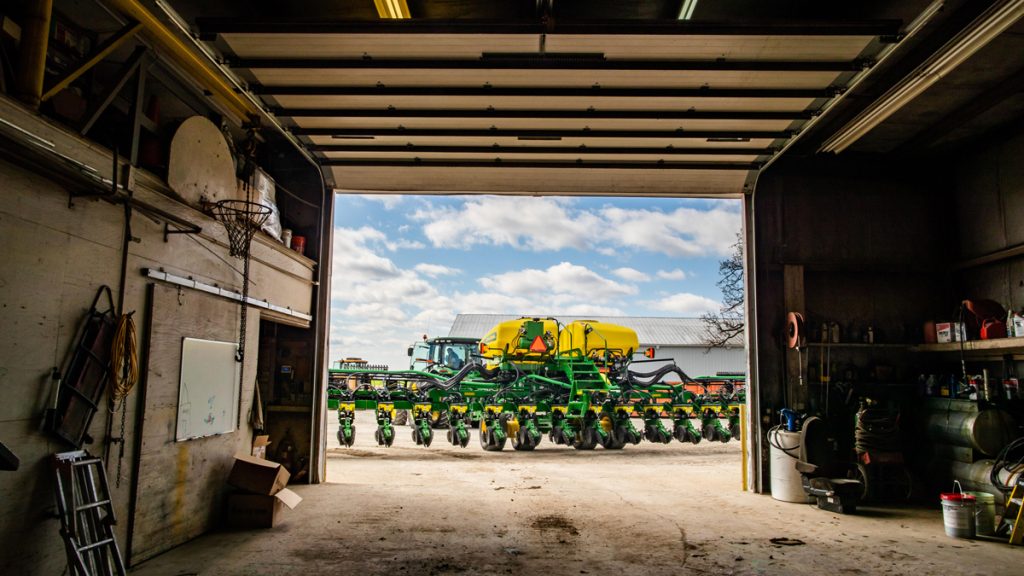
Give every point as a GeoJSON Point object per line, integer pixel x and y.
{"type": "Point", "coordinates": [405, 266]}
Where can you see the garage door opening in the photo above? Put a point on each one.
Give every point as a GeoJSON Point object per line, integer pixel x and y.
{"type": "Point", "coordinates": [428, 300]}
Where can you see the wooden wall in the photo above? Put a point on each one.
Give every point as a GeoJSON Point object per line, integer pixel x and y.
{"type": "Point", "coordinates": [52, 259]}
{"type": "Point", "coordinates": [851, 240]}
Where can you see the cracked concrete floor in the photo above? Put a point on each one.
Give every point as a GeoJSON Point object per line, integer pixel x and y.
{"type": "Point", "coordinates": [648, 509]}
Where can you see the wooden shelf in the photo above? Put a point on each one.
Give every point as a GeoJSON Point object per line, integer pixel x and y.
{"type": "Point", "coordinates": [855, 345]}
{"type": "Point", "coordinates": [1005, 344]}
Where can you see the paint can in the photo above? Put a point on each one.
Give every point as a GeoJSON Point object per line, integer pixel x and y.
{"type": "Point", "coordinates": [958, 513]}
{"type": "Point", "coordinates": [984, 513]}
{"type": "Point", "coordinates": [299, 244]}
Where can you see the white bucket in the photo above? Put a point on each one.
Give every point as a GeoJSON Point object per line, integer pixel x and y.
{"type": "Point", "coordinates": [984, 513]}
{"type": "Point", "coordinates": [784, 450]}
{"type": "Point", "coordinates": [958, 513]}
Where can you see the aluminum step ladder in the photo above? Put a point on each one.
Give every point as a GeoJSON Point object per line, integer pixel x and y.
{"type": "Point", "coordinates": [86, 515]}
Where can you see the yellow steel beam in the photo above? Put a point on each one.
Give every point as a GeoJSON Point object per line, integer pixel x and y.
{"type": "Point", "coordinates": [186, 57]}
{"type": "Point", "coordinates": [392, 8]}
{"type": "Point", "coordinates": [101, 52]}
{"type": "Point", "coordinates": [32, 53]}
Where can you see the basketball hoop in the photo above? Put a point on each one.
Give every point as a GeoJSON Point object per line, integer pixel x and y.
{"type": "Point", "coordinates": [241, 218]}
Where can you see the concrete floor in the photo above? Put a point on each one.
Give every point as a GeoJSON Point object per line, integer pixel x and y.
{"type": "Point", "coordinates": [649, 509]}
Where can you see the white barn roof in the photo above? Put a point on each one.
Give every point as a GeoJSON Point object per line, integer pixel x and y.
{"type": "Point", "coordinates": [651, 331]}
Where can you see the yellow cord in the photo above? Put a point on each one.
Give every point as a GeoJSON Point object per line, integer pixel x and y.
{"type": "Point", "coordinates": [124, 361]}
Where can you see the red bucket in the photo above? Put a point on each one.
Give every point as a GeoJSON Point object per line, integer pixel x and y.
{"type": "Point", "coordinates": [299, 244]}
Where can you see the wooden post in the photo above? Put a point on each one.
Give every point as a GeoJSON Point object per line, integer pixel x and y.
{"type": "Point", "coordinates": [796, 361]}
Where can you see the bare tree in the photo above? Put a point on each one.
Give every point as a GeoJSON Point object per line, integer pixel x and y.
{"type": "Point", "coordinates": [727, 324]}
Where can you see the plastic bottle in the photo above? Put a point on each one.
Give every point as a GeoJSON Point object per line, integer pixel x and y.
{"type": "Point", "coordinates": [1009, 322]}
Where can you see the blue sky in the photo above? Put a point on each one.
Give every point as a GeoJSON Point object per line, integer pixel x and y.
{"type": "Point", "coordinates": [404, 266]}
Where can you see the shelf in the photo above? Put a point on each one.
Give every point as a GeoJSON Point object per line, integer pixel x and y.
{"type": "Point", "coordinates": [1005, 344]}
{"type": "Point", "coordinates": [854, 345]}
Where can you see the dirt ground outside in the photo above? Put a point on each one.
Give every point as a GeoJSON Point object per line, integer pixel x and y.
{"type": "Point", "coordinates": [647, 509]}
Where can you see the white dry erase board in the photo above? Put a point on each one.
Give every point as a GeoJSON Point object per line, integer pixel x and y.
{"type": "Point", "coordinates": [208, 392]}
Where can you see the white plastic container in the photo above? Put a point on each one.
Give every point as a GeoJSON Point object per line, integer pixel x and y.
{"type": "Point", "coordinates": [784, 451]}
{"type": "Point", "coordinates": [984, 513]}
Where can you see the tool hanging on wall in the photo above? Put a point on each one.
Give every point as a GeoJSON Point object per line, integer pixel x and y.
{"type": "Point", "coordinates": [795, 339]}
{"type": "Point", "coordinates": [123, 377]}
{"type": "Point", "coordinates": [81, 386]}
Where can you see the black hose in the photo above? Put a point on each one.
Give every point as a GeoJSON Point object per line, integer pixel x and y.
{"type": "Point", "coordinates": [877, 430]}
{"type": "Point", "coordinates": [644, 378]}
{"type": "Point", "coordinates": [454, 380]}
{"type": "Point", "coordinates": [1003, 462]}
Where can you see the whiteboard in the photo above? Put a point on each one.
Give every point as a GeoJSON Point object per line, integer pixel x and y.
{"type": "Point", "coordinates": [208, 391]}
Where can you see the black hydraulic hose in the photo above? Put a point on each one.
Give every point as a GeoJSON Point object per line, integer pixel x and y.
{"type": "Point", "coordinates": [454, 380]}
{"type": "Point", "coordinates": [657, 375]}
{"type": "Point", "coordinates": [1005, 461]}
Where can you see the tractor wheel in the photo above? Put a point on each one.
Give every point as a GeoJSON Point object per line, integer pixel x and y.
{"type": "Point", "coordinates": [735, 431]}
{"type": "Point", "coordinates": [614, 439]}
{"type": "Point", "coordinates": [427, 438]}
{"type": "Point", "coordinates": [586, 439]}
{"type": "Point", "coordinates": [379, 437]}
{"type": "Point", "coordinates": [450, 436]}
{"type": "Point", "coordinates": [416, 436]}
{"type": "Point", "coordinates": [522, 441]}
{"type": "Point", "coordinates": [401, 418]}
{"type": "Point", "coordinates": [341, 439]}
{"type": "Point", "coordinates": [441, 421]}
{"type": "Point", "coordinates": [627, 436]}
{"type": "Point", "coordinates": [487, 440]}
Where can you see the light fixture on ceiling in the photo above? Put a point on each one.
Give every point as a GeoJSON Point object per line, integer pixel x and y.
{"type": "Point", "coordinates": [686, 10]}
{"type": "Point", "coordinates": [974, 37]}
{"type": "Point", "coordinates": [392, 8]}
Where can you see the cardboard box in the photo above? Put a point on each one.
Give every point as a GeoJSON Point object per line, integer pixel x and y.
{"type": "Point", "coordinates": [259, 446]}
{"type": "Point", "coordinates": [946, 332]}
{"type": "Point", "coordinates": [257, 475]}
{"type": "Point", "coordinates": [247, 511]}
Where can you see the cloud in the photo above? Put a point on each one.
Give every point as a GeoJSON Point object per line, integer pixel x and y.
{"type": "Point", "coordinates": [553, 224]}
{"type": "Point", "coordinates": [684, 304]}
{"type": "Point", "coordinates": [435, 270]}
{"type": "Point", "coordinates": [558, 284]}
{"type": "Point", "coordinates": [523, 222]}
{"type": "Point", "coordinates": [676, 274]}
{"type": "Point", "coordinates": [631, 274]}
{"type": "Point", "coordinates": [388, 201]}
{"type": "Point", "coordinates": [403, 244]}
{"type": "Point", "coordinates": [355, 260]}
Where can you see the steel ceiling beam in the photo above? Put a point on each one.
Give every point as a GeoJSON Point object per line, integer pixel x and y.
{"type": "Point", "coordinates": [544, 114]}
{"type": "Point", "coordinates": [575, 150]}
{"type": "Point", "coordinates": [801, 93]}
{"type": "Point", "coordinates": [550, 62]}
{"type": "Point", "coordinates": [540, 134]}
{"type": "Point", "coordinates": [499, 163]}
{"type": "Point", "coordinates": [210, 27]}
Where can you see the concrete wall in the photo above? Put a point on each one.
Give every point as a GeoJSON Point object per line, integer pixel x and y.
{"type": "Point", "coordinates": [52, 260]}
